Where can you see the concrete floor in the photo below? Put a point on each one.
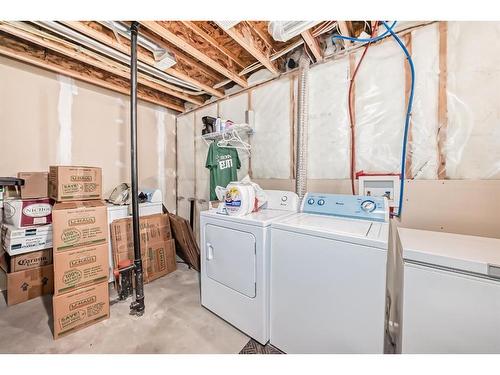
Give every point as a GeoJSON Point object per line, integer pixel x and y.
{"type": "Point", "coordinates": [174, 322]}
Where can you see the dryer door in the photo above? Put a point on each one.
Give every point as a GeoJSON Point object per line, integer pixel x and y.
{"type": "Point", "coordinates": [230, 258]}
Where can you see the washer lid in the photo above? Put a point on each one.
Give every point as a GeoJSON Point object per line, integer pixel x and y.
{"type": "Point", "coordinates": [363, 232]}
{"type": "Point", "coordinates": [466, 253]}
{"type": "Point", "coordinates": [261, 218]}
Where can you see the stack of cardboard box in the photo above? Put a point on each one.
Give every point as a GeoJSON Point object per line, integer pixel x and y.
{"type": "Point", "coordinates": [26, 236]}
{"type": "Point", "coordinates": [80, 240]}
{"type": "Point", "coordinates": [157, 245]}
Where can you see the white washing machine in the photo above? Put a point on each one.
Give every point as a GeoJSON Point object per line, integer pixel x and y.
{"type": "Point", "coordinates": [450, 300]}
{"type": "Point", "coordinates": [235, 263]}
{"type": "Point", "coordinates": [328, 276]}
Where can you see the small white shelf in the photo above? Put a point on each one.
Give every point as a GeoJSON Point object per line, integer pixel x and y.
{"type": "Point", "coordinates": [240, 128]}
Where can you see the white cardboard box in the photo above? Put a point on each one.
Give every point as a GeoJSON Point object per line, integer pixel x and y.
{"type": "Point", "coordinates": [17, 241]}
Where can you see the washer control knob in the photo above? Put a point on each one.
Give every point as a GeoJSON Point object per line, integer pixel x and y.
{"type": "Point", "coordinates": [310, 201]}
{"type": "Point", "coordinates": [321, 202]}
{"type": "Point", "coordinates": [284, 198]}
{"type": "Point", "coordinates": [368, 206]}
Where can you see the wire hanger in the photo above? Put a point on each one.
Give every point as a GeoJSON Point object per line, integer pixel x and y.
{"type": "Point", "coordinates": [232, 139]}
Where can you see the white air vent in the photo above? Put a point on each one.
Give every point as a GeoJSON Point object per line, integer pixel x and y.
{"type": "Point", "coordinates": [283, 31]}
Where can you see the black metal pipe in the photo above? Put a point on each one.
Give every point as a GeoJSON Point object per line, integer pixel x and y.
{"type": "Point", "coordinates": [137, 307]}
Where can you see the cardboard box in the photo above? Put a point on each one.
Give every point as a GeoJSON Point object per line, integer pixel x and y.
{"type": "Point", "coordinates": [25, 285]}
{"type": "Point", "coordinates": [28, 261]}
{"type": "Point", "coordinates": [71, 183]}
{"type": "Point", "coordinates": [27, 212]}
{"type": "Point", "coordinates": [160, 260]}
{"type": "Point", "coordinates": [24, 240]}
{"type": "Point", "coordinates": [80, 308]}
{"type": "Point", "coordinates": [36, 184]}
{"type": "Point", "coordinates": [80, 267]}
{"type": "Point", "coordinates": [78, 224]}
{"type": "Point", "coordinates": [153, 228]}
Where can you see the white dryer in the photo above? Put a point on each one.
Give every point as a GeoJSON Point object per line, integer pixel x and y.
{"type": "Point", "coordinates": [450, 300]}
{"type": "Point", "coordinates": [328, 276]}
{"type": "Point", "coordinates": [235, 263]}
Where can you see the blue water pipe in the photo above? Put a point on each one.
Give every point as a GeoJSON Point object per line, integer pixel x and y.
{"type": "Point", "coordinates": [366, 40]}
{"type": "Point", "coordinates": [408, 115]}
{"type": "Point", "coordinates": [389, 30]}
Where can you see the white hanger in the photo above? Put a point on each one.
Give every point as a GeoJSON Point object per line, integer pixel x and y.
{"type": "Point", "coordinates": [232, 139]}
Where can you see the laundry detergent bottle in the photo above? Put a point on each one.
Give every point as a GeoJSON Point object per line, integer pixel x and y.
{"type": "Point", "coordinates": [240, 199]}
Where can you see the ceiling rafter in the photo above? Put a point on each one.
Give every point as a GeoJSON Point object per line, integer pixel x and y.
{"type": "Point", "coordinates": [75, 53]}
{"type": "Point", "coordinates": [346, 30]}
{"type": "Point", "coordinates": [202, 33]}
{"type": "Point", "coordinates": [313, 45]}
{"type": "Point", "coordinates": [34, 54]}
{"type": "Point", "coordinates": [246, 37]}
{"type": "Point", "coordinates": [188, 43]}
{"type": "Point", "coordinates": [144, 57]}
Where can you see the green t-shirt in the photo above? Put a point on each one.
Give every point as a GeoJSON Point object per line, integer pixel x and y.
{"type": "Point", "coordinates": [223, 163]}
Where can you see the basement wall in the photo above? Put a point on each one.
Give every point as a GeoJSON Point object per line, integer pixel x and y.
{"type": "Point", "coordinates": [453, 177]}
{"type": "Point", "coordinates": [49, 119]}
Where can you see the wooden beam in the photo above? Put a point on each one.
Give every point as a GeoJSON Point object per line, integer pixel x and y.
{"type": "Point", "coordinates": [409, 161]}
{"type": "Point", "coordinates": [35, 55]}
{"type": "Point", "coordinates": [75, 53]}
{"type": "Point", "coordinates": [442, 98]}
{"type": "Point", "coordinates": [145, 58]}
{"type": "Point", "coordinates": [246, 37]}
{"type": "Point", "coordinates": [163, 30]}
{"type": "Point", "coordinates": [199, 31]}
{"type": "Point", "coordinates": [313, 45]}
{"type": "Point", "coordinates": [345, 30]}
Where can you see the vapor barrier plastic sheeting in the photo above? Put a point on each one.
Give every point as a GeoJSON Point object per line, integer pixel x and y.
{"type": "Point", "coordinates": [473, 133]}
{"type": "Point", "coordinates": [380, 108]}
{"type": "Point", "coordinates": [328, 135]}
{"type": "Point", "coordinates": [185, 163]}
{"type": "Point", "coordinates": [423, 147]}
{"type": "Point", "coordinates": [234, 109]}
{"type": "Point", "coordinates": [271, 141]}
{"type": "Point", "coordinates": [201, 150]}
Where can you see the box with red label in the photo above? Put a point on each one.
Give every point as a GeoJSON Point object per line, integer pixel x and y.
{"type": "Point", "coordinates": [27, 212]}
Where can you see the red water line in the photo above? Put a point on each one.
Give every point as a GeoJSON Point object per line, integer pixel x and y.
{"type": "Point", "coordinates": [351, 118]}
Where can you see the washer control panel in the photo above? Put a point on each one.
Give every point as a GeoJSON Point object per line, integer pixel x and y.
{"type": "Point", "coordinates": [350, 206]}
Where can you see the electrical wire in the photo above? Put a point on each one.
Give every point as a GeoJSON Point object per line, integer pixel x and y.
{"type": "Point", "coordinates": [351, 114]}
{"type": "Point", "coordinates": [408, 115]}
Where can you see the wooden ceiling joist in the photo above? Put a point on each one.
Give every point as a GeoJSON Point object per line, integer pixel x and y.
{"type": "Point", "coordinates": [209, 39]}
{"type": "Point", "coordinates": [249, 39]}
{"type": "Point", "coordinates": [313, 45]}
{"type": "Point", "coordinates": [143, 57]}
{"type": "Point", "coordinates": [346, 30]}
{"type": "Point", "coordinates": [191, 43]}
{"type": "Point", "coordinates": [41, 57]}
{"type": "Point", "coordinates": [76, 54]}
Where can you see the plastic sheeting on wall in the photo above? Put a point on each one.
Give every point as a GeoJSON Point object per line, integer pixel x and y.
{"type": "Point", "coordinates": [271, 140]}
{"type": "Point", "coordinates": [328, 135]}
{"type": "Point", "coordinates": [380, 108]}
{"type": "Point", "coordinates": [234, 109]}
{"type": "Point", "coordinates": [185, 163]}
{"type": "Point", "coordinates": [473, 132]}
{"type": "Point", "coordinates": [423, 147]}
{"type": "Point", "coordinates": [201, 150]}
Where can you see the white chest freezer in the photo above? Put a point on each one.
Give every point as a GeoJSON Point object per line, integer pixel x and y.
{"type": "Point", "coordinates": [450, 301]}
